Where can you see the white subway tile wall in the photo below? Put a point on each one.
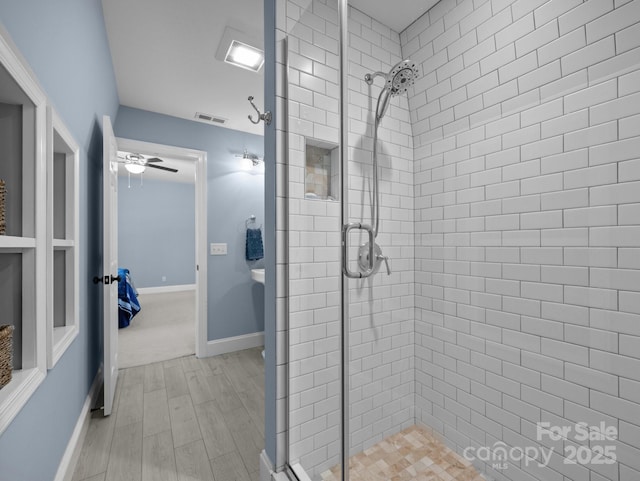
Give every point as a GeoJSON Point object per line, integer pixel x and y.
{"type": "Point", "coordinates": [312, 233]}
{"type": "Point", "coordinates": [547, 91]}
{"type": "Point", "coordinates": [382, 309]}
{"type": "Point", "coordinates": [510, 201]}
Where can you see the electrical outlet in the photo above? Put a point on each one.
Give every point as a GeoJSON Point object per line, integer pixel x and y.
{"type": "Point", "coordinates": [164, 278]}
{"type": "Point", "coordinates": [218, 249]}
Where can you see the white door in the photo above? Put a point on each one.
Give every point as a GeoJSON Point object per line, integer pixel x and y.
{"type": "Point", "coordinates": [110, 262]}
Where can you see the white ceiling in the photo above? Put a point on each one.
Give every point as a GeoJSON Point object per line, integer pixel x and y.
{"type": "Point", "coordinates": [163, 55]}
{"type": "Point", "coordinates": [164, 51]}
{"type": "Point", "coordinates": [396, 14]}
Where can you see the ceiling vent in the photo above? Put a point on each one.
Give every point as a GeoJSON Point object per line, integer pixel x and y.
{"type": "Point", "coordinates": [210, 118]}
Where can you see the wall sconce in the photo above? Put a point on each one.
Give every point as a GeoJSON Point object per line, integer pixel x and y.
{"type": "Point", "coordinates": [250, 162]}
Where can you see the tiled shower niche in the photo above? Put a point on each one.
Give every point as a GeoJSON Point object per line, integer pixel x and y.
{"type": "Point", "coordinates": [321, 170]}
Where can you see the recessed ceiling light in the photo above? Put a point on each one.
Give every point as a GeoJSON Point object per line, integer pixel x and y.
{"type": "Point", "coordinates": [245, 56]}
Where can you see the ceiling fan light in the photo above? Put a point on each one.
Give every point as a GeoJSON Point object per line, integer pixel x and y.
{"type": "Point", "coordinates": [134, 168]}
{"type": "Point", "coordinates": [134, 157]}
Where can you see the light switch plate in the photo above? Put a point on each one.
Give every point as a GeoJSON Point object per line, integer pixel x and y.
{"type": "Point", "coordinates": [218, 249]}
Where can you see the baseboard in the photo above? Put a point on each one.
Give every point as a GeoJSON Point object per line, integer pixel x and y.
{"type": "Point", "coordinates": [267, 472]}
{"type": "Point", "coordinates": [163, 289]}
{"type": "Point", "coordinates": [232, 344]}
{"type": "Point", "coordinates": [71, 455]}
{"type": "Point", "coordinates": [266, 468]}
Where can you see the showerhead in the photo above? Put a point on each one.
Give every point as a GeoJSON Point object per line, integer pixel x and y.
{"type": "Point", "coordinates": [401, 77]}
{"type": "Point", "coordinates": [397, 81]}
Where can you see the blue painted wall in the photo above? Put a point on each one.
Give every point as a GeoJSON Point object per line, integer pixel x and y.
{"type": "Point", "coordinates": [156, 231]}
{"type": "Point", "coordinates": [65, 44]}
{"type": "Point", "coordinates": [235, 302]}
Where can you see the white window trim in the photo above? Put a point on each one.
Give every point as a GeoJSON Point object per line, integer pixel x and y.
{"type": "Point", "coordinates": [24, 382]}
{"type": "Point", "coordinates": [60, 338]}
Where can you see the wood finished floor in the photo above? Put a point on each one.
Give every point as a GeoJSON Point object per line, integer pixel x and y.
{"type": "Point", "coordinates": [185, 419]}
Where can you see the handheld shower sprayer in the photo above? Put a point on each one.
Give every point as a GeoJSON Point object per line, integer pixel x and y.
{"type": "Point", "coordinates": [397, 81]}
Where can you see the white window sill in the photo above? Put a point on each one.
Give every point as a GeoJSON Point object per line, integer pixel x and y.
{"type": "Point", "coordinates": [16, 394]}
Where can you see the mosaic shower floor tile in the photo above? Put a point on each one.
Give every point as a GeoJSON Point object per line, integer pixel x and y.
{"type": "Point", "coordinates": [410, 455]}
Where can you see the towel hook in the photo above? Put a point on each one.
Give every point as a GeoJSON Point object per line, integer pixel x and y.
{"type": "Point", "coordinates": [265, 116]}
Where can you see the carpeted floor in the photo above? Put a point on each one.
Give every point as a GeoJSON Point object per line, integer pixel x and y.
{"type": "Point", "coordinates": [163, 329]}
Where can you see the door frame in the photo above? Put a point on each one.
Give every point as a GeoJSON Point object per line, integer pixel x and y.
{"type": "Point", "coordinates": [200, 158]}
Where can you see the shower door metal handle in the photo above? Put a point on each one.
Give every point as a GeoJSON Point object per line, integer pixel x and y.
{"type": "Point", "coordinates": [345, 250]}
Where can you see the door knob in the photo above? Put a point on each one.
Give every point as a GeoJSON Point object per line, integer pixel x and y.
{"type": "Point", "coordinates": [106, 279]}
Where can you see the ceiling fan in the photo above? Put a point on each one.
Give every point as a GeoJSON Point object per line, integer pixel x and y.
{"type": "Point", "coordinates": [137, 163]}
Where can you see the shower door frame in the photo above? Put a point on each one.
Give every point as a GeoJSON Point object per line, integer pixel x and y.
{"type": "Point", "coordinates": [343, 45]}
{"type": "Point", "coordinates": [289, 470]}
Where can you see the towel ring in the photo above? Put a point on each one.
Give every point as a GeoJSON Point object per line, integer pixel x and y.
{"type": "Point", "coordinates": [250, 220]}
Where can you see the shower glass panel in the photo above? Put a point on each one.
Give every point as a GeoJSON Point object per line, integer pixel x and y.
{"type": "Point", "coordinates": [492, 332]}
{"type": "Point", "coordinates": [313, 206]}
{"type": "Point", "coordinates": [380, 306]}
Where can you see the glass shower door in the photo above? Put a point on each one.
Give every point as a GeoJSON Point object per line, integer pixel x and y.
{"type": "Point", "coordinates": [350, 346]}
{"type": "Point", "coordinates": [381, 303]}
{"type": "Point", "coordinates": [312, 205]}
